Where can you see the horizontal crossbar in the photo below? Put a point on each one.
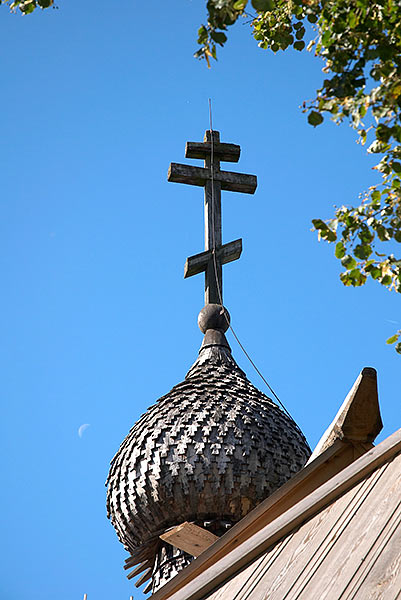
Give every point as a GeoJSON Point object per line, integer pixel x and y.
{"type": "Point", "coordinates": [225, 152]}
{"type": "Point", "coordinates": [225, 254]}
{"type": "Point", "coordinates": [233, 182]}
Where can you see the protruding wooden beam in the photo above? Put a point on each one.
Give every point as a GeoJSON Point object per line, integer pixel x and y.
{"type": "Point", "coordinates": [147, 575]}
{"type": "Point", "coordinates": [189, 537]}
{"type": "Point", "coordinates": [358, 419]}
{"type": "Point", "coordinates": [224, 152]}
{"type": "Point", "coordinates": [148, 588]}
{"type": "Point", "coordinates": [233, 182]}
{"type": "Point", "coordinates": [225, 254]}
{"type": "Point", "coordinates": [144, 565]}
{"type": "Point", "coordinates": [141, 553]}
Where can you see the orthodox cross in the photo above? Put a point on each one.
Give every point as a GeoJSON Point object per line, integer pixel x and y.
{"type": "Point", "coordinates": [216, 254]}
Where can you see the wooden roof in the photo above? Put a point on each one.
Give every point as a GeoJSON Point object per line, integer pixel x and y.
{"type": "Point", "coordinates": [350, 549]}
{"type": "Point", "coordinates": [333, 531]}
{"type": "Point", "coordinates": [341, 541]}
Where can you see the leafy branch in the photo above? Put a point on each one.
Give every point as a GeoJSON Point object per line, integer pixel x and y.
{"type": "Point", "coordinates": [27, 6]}
{"type": "Point", "coordinates": [393, 339]}
{"type": "Point", "coordinates": [360, 44]}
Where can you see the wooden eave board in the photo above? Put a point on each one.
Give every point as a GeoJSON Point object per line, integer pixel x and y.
{"type": "Point", "coordinates": [283, 526]}
{"type": "Point", "coordinates": [190, 537]}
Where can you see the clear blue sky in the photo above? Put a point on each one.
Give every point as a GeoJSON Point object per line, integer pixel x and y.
{"type": "Point", "coordinates": [97, 99]}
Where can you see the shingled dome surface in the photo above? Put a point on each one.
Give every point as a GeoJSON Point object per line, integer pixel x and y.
{"type": "Point", "coordinates": [212, 448]}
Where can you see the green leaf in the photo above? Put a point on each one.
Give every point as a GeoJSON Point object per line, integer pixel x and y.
{"type": "Point", "coordinates": [262, 5]}
{"type": "Point", "coordinates": [314, 118]}
{"type": "Point", "coordinates": [396, 166]}
{"type": "Point", "coordinates": [300, 46]}
{"type": "Point", "coordinates": [326, 38]}
{"type": "Point", "coordinates": [219, 37]}
{"type": "Point", "coordinates": [345, 279]}
{"type": "Point", "coordinates": [202, 34]}
{"type": "Point", "coordinates": [348, 262]}
{"type": "Point", "coordinates": [357, 278]}
{"type": "Point", "coordinates": [383, 133]}
{"type": "Point", "coordinates": [328, 235]}
{"type": "Point", "coordinates": [300, 33]}
{"type": "Point", "coordinates": [365, 235]}
{"type": "Point", "coordinates": [386, 280]}
{"type": "Point", "coordinates": [397, 236]}
{"type": "Point", "coordinates": [28, 6]}
{"type": "Point", "coordinates": [363, 251]}
{"type": "Point", "coordinates": [352, 19]}
{"type": "Point", "coordinates": [340, 250]}
{"type": "Point", "coordinates": [392, 339]}
{"type": "Point", "coordinates": [319, 224]}
{"type": "Point", "coordinates": [382, 233]}
{"type": "Point", "coordinates": [240, 4]}
{"type": "Point", "coordinates": [398, 348]}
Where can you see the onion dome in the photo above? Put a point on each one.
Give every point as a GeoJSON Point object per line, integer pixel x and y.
{"type": "Point", "coordinates": [208, 452]}
{"type": "Point", "coordinates": [214, 447]}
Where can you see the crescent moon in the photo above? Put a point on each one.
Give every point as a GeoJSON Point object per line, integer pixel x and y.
{"type": "Point", "coordinates": [82, 429]}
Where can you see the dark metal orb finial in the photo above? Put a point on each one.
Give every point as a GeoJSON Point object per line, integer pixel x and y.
{"type": "Point", "coordinates": [214, 316]}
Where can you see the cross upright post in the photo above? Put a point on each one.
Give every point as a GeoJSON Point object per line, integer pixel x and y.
{"type": "Point", "coordinates": [212, 151]}
{"type": "Point", "coordinates": [213, 225]}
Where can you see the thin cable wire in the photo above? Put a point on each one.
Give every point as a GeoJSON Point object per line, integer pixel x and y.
{"type": "Point", "coordinates": [216, 275]}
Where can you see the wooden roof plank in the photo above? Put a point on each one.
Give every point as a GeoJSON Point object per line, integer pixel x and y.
{"type": "Point", "coordinates": [332, 554]}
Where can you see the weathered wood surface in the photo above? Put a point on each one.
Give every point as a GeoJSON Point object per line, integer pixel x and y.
{"type": "Point", "coordinates": [352, 478]}
{"type": "Point", "coordinates": [145, 577]}
{"type": "Point", "coordinates": [308, 547]}
{"type": "Point", "coordinates": [141, 553]}
{"type": "Point", "coordinates": [224, 152]}
{"type": "Point", "coordinates": [350, 550]}
{"type": "Point", "coordinates": [359, 416]}
{"type": "Point", "coordinates": [333, 460]}
{"type": "Point", "coordinates": [213, 448]}
{"type": "Point", "coordinates": [190, 537]}
{"type": "Point", "coordinates": [213, 227]}
{"type": "Point", "coordinates": [144, 565]}
{"type": "Point", "coordinates": [230, 181]}
{"type": "Point", "coordinates": [147, 588]}
{"type": "Point", "coordinates": [225, 254]}
{"type": "Point", "coordinates": [214, 181]}
{"type": "Point", "coordinates": [180, 452]}
{"type": "Point", "coordinates": [237, 584]}
{"type": "Point", "coordinates": [170, 560]}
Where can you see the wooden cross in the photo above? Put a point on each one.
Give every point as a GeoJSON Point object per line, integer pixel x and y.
{"type": "Point", "coordinates": [216, 254]}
